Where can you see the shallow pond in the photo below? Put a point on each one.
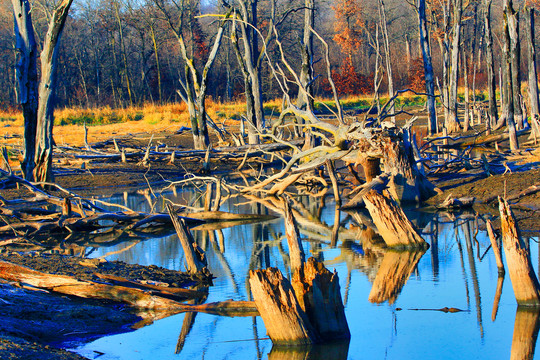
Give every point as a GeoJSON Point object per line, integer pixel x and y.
{"type": "Point", "coordinates": [388, 320]}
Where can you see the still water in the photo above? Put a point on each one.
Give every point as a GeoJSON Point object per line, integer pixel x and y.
{"type": "Point", "coordinates": [388, 320]}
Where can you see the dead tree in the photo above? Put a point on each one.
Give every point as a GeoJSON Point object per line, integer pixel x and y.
{"type": "Point", "coordinates": [452, 122]}
{"type": "Point", "coordinates": [38, 103]}
{"type": "Point", "coordinates": [511, 18]}
{"type": "Point", "coordinates": [386, 43]}
{"type": "Point", "coordinates": [47, 86]}
{"type": "Point", "coordinates": [195, 82]}
{"type": "Point", "coordinates": [524, 280]}
{"type": "Point", "coordinates": [428, 67]}
{"type": "Point", "coordinates": [250, 62]}
{"type": "Point", "coordinates": [492, 111]}
{"type": "Point", "coordinates": [26, 72]}
{"type": "Point", "coordinates": [533, 75]}
{"type": "Point", "coordinates": [510, 43]}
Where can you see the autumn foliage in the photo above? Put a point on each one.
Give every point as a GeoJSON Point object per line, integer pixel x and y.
{"type": "Point", "coordinates": [348, 25]}
{"type": "Point", "coordinates": [417, 80]}
{"type": "Point", "coordinates": [348, 81]}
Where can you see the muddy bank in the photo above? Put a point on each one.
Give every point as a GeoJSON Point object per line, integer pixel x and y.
{"type": "Point", "coordinates": [34, 323]}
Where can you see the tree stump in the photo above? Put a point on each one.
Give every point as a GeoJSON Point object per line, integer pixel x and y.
{"type": "Point", "coordinates": [391, 222]}
{"type": "Point", "coordinates": [286, 323]}
{"type": "Point", "coordinates": [318, 293]}
{"type": "Point", "coordinates": [524, 281]}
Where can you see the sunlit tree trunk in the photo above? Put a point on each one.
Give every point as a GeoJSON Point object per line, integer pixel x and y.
{"type": "Point", "coordinates": [515, 51]}
{"type": "Point", "coordinates": [386, 41]}
{"type": "Point", "coordinates": [509, 57]}
{"type": "Point", "coordinates": [452, 122]}
{"type": "Point", "coordinates": [26, 73]}
{"type": "Point", "coordinates": [533, 75]}
{"type": "Point", "coordinates": [428, 68]}
{"type": "Point", "coordinates": [492, 111]}
{"type": "Point", "coordinates": [45, 118]}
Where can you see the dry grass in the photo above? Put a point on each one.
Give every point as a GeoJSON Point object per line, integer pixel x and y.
{"type": "Point", "coordinates": [104, 123]}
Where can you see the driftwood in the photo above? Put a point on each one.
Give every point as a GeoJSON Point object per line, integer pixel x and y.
{"type": "Point", "coordinates": [524, 281]}
{"type": "Point", "coordinates": [138, 295]}
{"type": "Point", "coordinates": [195, 258]}
{"type": "Point", "coordinates": [453, 203]}
{"type": "Point", "coordinates": [392, 223]}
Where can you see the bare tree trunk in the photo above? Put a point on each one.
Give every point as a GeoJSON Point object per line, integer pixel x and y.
{"type": "Point", "coordinates": [195, 87]}
{"type": "Point", "coordinates": [452, 122]}
{"type": "Point", "coordinates": [512, 19]}
{"type": "Point", "coordinates": [508, 10]}
{"type": "Point", "coordinates": [26, 74]}
{"type": "Point", "coordinates": [305, 98]}
{"type": "Point", "coordinates": [45, 121]}
{"type": "Point", "coordinates": [384, 28]}
{"type": "Point", "coordinates": [533, 75]}
{"type": "Point", "coordinates": [428, 68]}
{"type": "Point", "coordinates": [466, 84]}
{"type": "Point", "coordinates": [493, 114]}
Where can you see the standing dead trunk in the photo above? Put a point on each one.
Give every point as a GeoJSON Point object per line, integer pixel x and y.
{"type": "Point", "coordinates": [452, 122]}
{"type": "Point", "coordinates": [428, 68]}
{"type": "Point", "coordinates": [511, 76]}
{"type": "Point", "coordinates": [524, 281]}
{"type": "Point", "coordinates": [512, 20]}
{"type": "Point", "coordinates": [492, 111]}
{"type": "Point", "coordinates": [386, 41]}
{"type": "Point", "coordinates": [196, 82]}
{"type": "Point", "coordinates": [296, 252]}
{"type": "Point", "coordinates": [45, 120]}
{"type": "Point", "coordinates": [533, 75]}
{"type": "Point", "coordinates": [26, 74]}
{"type": "Point", "coordinates": [466, 117]}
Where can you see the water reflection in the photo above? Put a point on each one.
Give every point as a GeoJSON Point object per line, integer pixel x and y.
{"type": "Point", "coordinates": [459, 272]}
{"type": "Point", "coordinates": [525, 333]}
{"type": "Point", "coordinates": [334, 351]}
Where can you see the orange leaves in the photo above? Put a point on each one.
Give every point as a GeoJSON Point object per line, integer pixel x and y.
{"type": "Point", "coordinates": [348, 25]}
{"type": "Point", "coordinates": [348, 81]}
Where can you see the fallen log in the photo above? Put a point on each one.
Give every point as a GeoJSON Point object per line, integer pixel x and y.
{"type": "Point", "coordinates": [522, 276]}
{"type": "Point", "coordinates": [142, 296]}
{"type": "Point", "coordinates": [195, 260]}
{"type": "Point", "coordinates": [456, 203]}
{"type": "Point", "coordinates": [392, 223]}
{"type": "Point", "coordinates": [178, 293]}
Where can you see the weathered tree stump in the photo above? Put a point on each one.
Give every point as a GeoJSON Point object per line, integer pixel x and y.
{"type": "Point", "coordinates": [318, 292]}
{"type": "Point", "coordinates": [286, 323]}
{"type": "Point", "coordinates": [391, 222]}
{"type": "Point", "coordinates": [524, 281]}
